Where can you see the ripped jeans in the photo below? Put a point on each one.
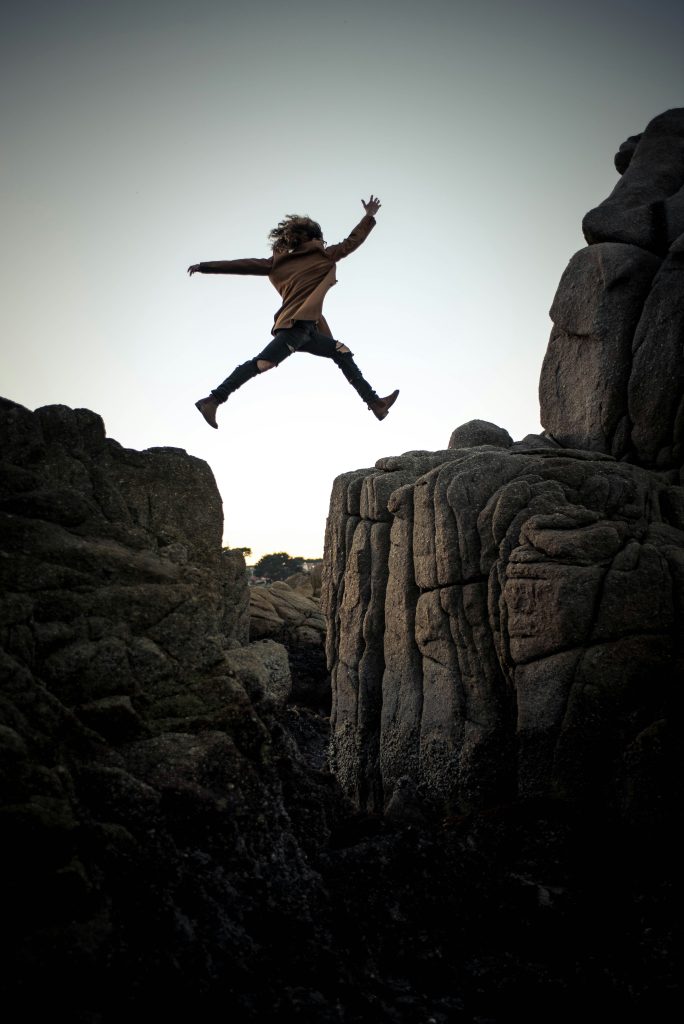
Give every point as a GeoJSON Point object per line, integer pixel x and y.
{"type": "Point", "coordinates": [303, 336]}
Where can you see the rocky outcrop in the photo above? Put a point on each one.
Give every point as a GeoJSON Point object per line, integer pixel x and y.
{"type": "Point", "coordinates": [144, 799]}
{"type": "Point", "coordinates": [505, 624]}
{"type": "Point", "coordinates": [612, 379]}
{"type": "Point", "coordinates": [646, 207]}
{"type": "Point", "coordinates": [506, 620]}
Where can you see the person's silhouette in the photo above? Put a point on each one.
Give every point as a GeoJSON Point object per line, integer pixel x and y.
{"type": "Point", "coordinates": [302, 269]}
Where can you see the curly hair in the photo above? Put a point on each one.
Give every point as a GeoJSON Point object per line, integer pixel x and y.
{"type": "Point", "coordinates": [292, 231]}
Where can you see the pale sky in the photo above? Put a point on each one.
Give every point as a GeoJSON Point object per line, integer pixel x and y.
{"type": "Point", "coordinates": [138, 138]}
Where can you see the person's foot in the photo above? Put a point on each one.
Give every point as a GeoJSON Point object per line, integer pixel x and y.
{"type": "Point", "coordinates": [208, 406]}
{"type": "Point", "coordinates": [383, 405]}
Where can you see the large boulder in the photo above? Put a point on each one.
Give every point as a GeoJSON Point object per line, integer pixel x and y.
{"type": "Point", "coordinates": [586, 372]}
{"type": "Point", "coordinates": [646, 207]}
{"type": "Point", "coordinates": [507, 624]}
{"type": "Point", "coordinates": [612, 379]}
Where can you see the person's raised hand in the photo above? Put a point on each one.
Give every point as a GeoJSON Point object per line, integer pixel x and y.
{"type": "Point", "coordinates": [193, 269]}
{"type": "Point", "coordinates": [372, 206]}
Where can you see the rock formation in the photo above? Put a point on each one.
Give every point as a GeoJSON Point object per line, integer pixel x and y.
{"type": "Point", "coordinates": [144, 774]}
{"type": "Point", "coordinates": [289, 613]}
{"type": "Point", "coordinates": [506, 620]}
{"type": "Point", "coordinates": [613, 377]}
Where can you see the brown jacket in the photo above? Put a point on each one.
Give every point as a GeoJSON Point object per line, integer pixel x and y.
{"type": "Point", "coordinates": [302, 278]}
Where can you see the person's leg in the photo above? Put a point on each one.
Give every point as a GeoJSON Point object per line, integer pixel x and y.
{"type": "Point", "coordinates": [275, 352]}
{"type": "Point", "coordinates": [322, 345]}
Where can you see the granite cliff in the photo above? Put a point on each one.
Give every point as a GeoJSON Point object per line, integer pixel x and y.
{"type": "Point", "coordinates": [486, 827]}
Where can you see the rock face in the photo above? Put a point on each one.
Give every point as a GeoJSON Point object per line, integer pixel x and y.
{"type": "Point", "coordinates": [506, 620]}
{"type": "Point", "coordinates": [504, 624]}
{"type": "Point", "coordinates": [612, 380]}
{"type": "Point", "coordinates": [144, 773]}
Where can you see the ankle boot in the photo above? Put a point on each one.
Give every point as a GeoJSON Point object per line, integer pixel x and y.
{"type": "Point", "coordinates": [240, 375]}
{"type": "Point", "coordinates": [382, 406]}
{"type": "Point", "coordinates": [208, 406]}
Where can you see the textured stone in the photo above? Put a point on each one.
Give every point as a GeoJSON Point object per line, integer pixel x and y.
{"type": "Point", "coordinates": [287, 611]}
{"type": "Point", "coordinates": [646, 207]}
{"type": "Point", "coordinates": [140, 800]}
{"type": "Point", "coordinates": [613, 376]}
{"type": "Point", "coordinates": [308, 582]}
{"type": "Point", "coordinates": [264, 670]}
{"type": "Point", "coordinates": [509, 580]}
{"type": "Point", "coordinates": [656, 386]}
{"type": "Point", "coordinates": [586, 370]}
{"type": "Point", "coordinates": [479, 432]}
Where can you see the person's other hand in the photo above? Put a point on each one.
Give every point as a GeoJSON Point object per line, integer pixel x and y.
{"type": "Point", "coordinates": [372, 206]}
{"type": "Point", "coordinates": [193, 269]}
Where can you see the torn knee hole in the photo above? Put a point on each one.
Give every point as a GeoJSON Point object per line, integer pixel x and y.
{"type": "Point", "coordinates": [263, 365]}
{"type": "Point", "coordinates": [341, 347]}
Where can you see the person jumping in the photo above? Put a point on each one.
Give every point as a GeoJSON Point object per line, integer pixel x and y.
{"type": "Point", "coordinates": [302, 269]}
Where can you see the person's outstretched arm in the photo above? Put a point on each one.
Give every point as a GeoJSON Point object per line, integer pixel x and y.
{"type": "Point", "coordinates": [359, 234]}
{"type": "Point", "coordinates": [253, 266]}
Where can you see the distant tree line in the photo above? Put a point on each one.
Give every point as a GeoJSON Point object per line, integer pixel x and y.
{"type": "Point", "coordinates": [278, 566]}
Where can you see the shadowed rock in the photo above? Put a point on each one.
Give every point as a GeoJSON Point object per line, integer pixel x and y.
{"type": "Point", "coordinates": [613, 375]}
{"type": "Point", "coordinates": [646, 207]}
{"type": "Point", "coordinates": [288, 612]}
{"type": "Point", "coordinates": [143, 766]}
{"type": "Point", "coordinates": [585, 375]}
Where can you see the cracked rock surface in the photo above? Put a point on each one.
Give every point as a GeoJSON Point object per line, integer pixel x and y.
{"type": "Point", "coordinates": [507, 624]}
